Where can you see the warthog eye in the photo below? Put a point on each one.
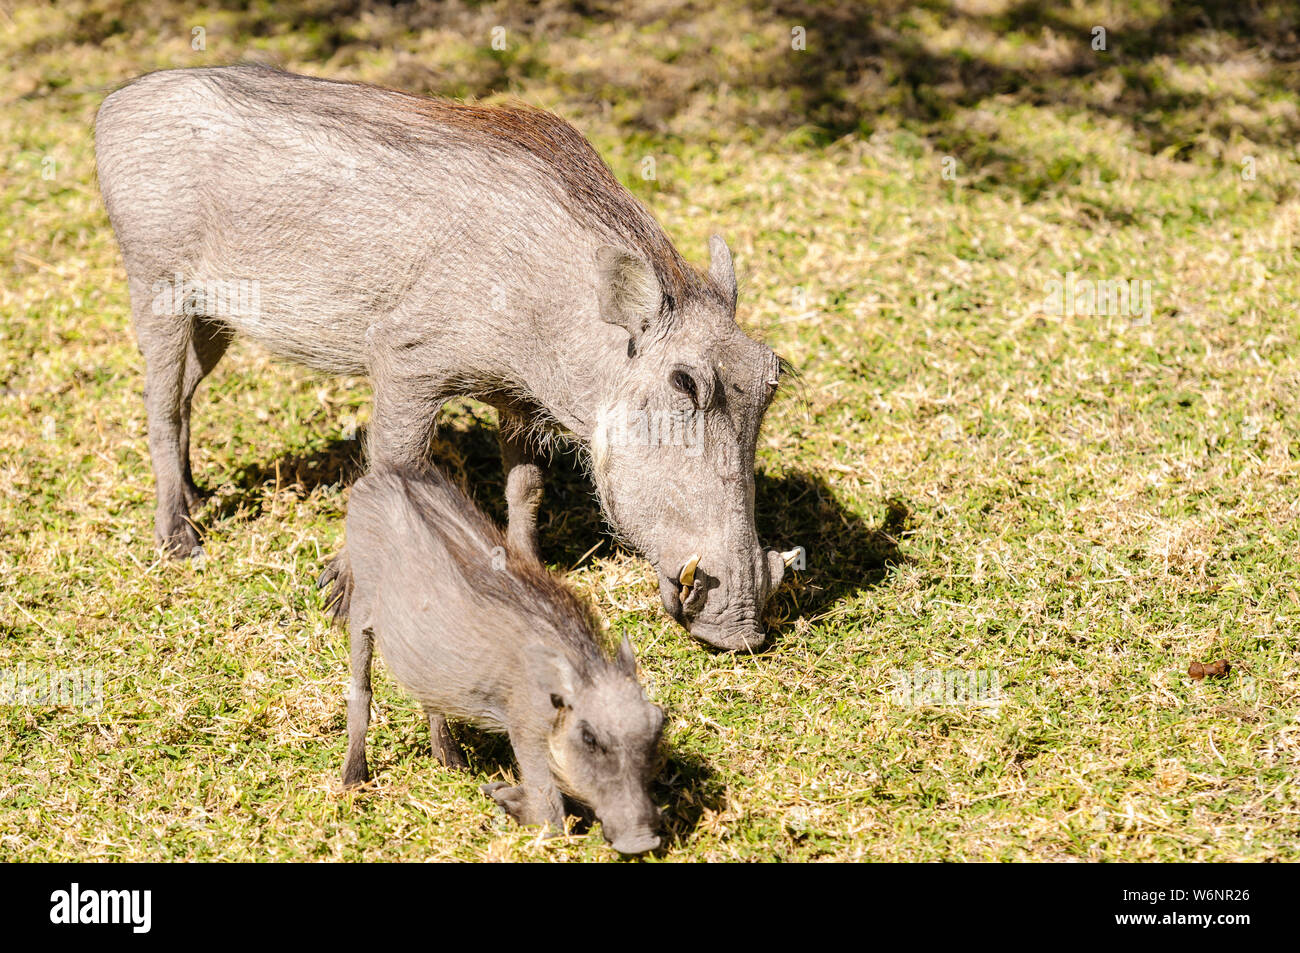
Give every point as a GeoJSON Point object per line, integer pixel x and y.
{"type": "Point", "coordinates": [684, 383]}
{"type": "Point", "coordinates": [589, 739]}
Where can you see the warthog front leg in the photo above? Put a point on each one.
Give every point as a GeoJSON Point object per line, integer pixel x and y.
{"type": "Point", "coordinates": [536, 799]}
{"type": "Point", "coordinates": [398, 436]}
{"type": "Point", "coordinates": [524, 484]}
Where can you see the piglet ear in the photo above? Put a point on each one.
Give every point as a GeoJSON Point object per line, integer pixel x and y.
{"type": "Point", "coordinates": [626, 658]}
{"type": "Point", "coordinates": [551, 673]}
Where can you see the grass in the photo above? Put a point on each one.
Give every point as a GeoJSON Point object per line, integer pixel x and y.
{"type": "Point", "coordinates": [1078, 504]}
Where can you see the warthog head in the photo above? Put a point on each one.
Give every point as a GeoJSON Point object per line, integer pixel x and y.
{"type": "Point", "coordinates": [673, 450]}
{"type": "Point", "coordinates": [604, 741]}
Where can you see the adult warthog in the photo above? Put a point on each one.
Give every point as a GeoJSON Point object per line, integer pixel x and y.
{"type": "Point", "coordinates": [444, 249]}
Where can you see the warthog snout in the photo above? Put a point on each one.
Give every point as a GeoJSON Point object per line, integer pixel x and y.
{"type": "Point", "coordinates": [718, 606]}
{"type": "Point", "coordinates": [633, 831]}
{"type": "Point", "coordinates": [641, 843]}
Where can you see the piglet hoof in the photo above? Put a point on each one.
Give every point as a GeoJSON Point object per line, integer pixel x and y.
{"type": "Point", "coordinates": [512, 800]}
{"type": "Point", "coordinates": [336, 579]}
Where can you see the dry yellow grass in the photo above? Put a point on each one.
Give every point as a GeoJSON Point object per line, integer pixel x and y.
{"type": "Point", "coordinates": [1079, 503]}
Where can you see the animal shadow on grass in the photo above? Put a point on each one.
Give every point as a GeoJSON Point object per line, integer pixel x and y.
{"type": "Point", "coordinates": [339, 462]}
{"type": "Point", "coordinates": [464, 447]}
{"type": "Point", "coordinates": [844, 554]}
{"type": "Point", "coordinates": [687, 788]}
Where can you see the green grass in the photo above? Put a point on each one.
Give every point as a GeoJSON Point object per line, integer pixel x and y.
{"type": "Point", "coordinates": [1076, 503]}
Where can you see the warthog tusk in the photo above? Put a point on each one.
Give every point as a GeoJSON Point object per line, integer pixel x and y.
{"type": "Point", "coordinates": [687, 578]}
{"type": "Point", "coordinates": [790, 556]}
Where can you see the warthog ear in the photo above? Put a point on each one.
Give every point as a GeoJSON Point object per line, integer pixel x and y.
{"type": "Point", "coordinates": [721, 269]}
{"type": "Point", "coordinates": [626, 658]}
{"type": "Point", "coordinates": [628, 291]}
{"type": "Point", "coordinates": [551, 672]}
